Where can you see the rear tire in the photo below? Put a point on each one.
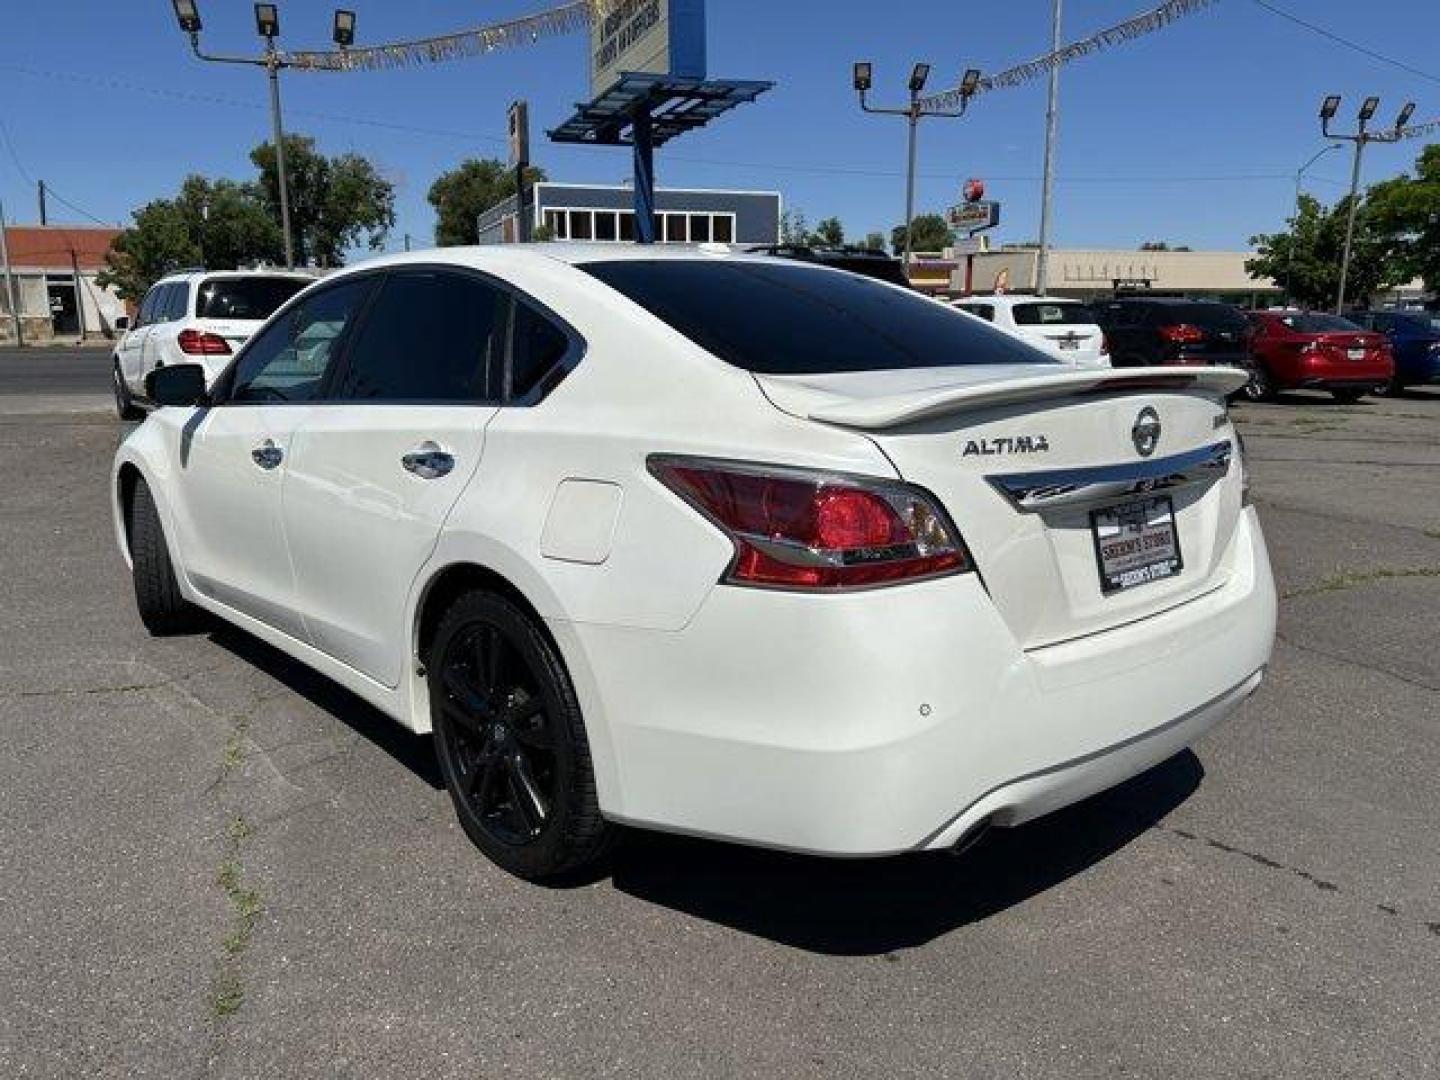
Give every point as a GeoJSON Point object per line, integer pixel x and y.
{"type": "Point", "coordinates": [125, 406]}
{"type": "Point", "coordinates": [511, 742]}
{"type": "Point", "coordinates": [1347, 394]}
{"type": "Point", "coordinates": [1393, 388]}
{"type": "Point", "coordinates": [162, 607]}
{"type": "Point", "coordinates": [1260, 387]}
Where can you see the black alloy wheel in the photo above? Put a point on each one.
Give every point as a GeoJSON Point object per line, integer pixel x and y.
{"type": "Point", "coordinates": [511, 741]}
{"type": "Point", "coordinates": [1258, 387]}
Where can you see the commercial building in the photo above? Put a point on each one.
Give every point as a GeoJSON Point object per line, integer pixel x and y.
{"type": "Point", "coordinates": [52, 271]}
{"type": "Point", "coordinates": [607, 214]}
{"type": "Point", "coordinates": [1097, 274]}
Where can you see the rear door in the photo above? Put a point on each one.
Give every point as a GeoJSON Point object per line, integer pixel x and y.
{"type": "Point", "coordinates": [375, 472]}
{"type": "Point", "coordinates": [132, 345]}
{"type": "Point", "coordinates": [169, 310]}
{"type": "Point", "coordinates": [235, 457]}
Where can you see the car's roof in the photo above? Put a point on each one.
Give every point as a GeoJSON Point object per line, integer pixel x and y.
{"type": "Point", "coordinates": [1011, 299]}
{"type": "Point", "coordinates": [483, 256]}
{"type": "Point", "coordinates": [193, 276]}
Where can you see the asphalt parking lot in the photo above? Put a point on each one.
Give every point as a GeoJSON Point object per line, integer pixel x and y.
{"type": "Point", "coordinates": [217, 863]}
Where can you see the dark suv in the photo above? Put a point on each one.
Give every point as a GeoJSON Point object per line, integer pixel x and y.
{"type": "Point", "coordinates": [864, 261]}
{"type": "Point", "coordinates": [1193, 333]}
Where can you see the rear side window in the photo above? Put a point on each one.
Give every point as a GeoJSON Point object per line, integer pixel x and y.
{"type": "Point", "coordinates": [147, 306]}
{"type": "Point", "coordinates": [787, 318]}
{"type": "Point", "coordinates": [430, 335]}
{"type": "Point", "coordinates": [244, 298]}
{"type": "Point", "coordinates": [1053, 315]}
{"type": "Point", "coordinates": [537, 351]}
{"type": "Point", "coordinates": [1208, 316]}
{"type": "Point", "coordinates": [984, 311]}
{"type": "Point", "coordinates": [175, 303]}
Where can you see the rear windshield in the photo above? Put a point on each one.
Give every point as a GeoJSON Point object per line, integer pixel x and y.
{"type": "Point", "coordinates": [786, 318]}
{"type": "Point", "coordinates": [1053, 315]}
{"type": "Point", "coordinates": [1316, 322]}
{"type": "Point", "coordinates": [1208, 316]}
{"type": "Point", "coordinates": [244, 298]}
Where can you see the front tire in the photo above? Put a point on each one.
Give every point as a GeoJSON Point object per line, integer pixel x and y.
{"type": "Point", "coordinates": [511, 741]}
{"type": "Point", "coordinates": [125, 406]}
{"type": "Point", "coordinates": [1348, 395]}
{"type": "Point", "coordinates": [162, 607]}
{"type": "Point", "coordinates": [1259, 387]}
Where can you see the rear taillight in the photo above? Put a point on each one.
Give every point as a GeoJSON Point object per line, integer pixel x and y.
{"type": "Point", "coordinates": [802, 529]}
{"type": "Point", "coordinates": [1182, 334]}
{"type": "Point", "coordinates": [1104, 344]}
{"type": "Point", "coordinates": [201, 343]}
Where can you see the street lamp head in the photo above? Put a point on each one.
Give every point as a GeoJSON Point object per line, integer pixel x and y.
{"type": "Point", "coordinates": [187, 15]}
{"type": "Point", "coordinates": [864, 75]}
{"type": "Point", "coordinates": [344, 28]}
{"type": "Point", "coordinates": [970, 82]}
{"type": "Point", "coordinates": [1329, 107]}
{"type": "Point", "coordinates": [919, 77]}
{"type": "Point", "coordinates": [1405, 114]}
{"type": "Point", "coordinates": [267, 20]}
{"type": "Point", "coordinates": [1368, 108]}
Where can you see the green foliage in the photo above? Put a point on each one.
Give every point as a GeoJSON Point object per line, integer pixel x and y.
{"type": "Point", "coordinates": [219, 224]}
{"type": "Point", "coordinates": [1305, 260]}
{"type": "Point", "coordinates": [929, 232]}
{"type": "Point", "coordinates": [461, 195]}
{"type": "Point", "coordinates": [1407, 209]}
{"type": "Point", "coordinates": [829, 233]}
{"type": "Point", "coordinates": [794, 229]}
{"type": "Point", "coordinates": [875, 241]}
{"type": "Point", "coordinates": [335, 202]}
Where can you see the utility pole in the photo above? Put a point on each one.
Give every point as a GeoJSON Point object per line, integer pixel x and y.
{"type": "Point", "coordinates": [9, 278]}
{"type": "Point", "coordinates": [914, 112]}
{"type": "Point", "coordinates": [1328, 108]}
{"type": "Point", "coordinates": [44, 215]}
{"type": "Point", "coordinates": [1052, 132]}
{"type": "Point", "coordinates": [79, 295]}
{"type": "Point", "coordinates": [407, 241]}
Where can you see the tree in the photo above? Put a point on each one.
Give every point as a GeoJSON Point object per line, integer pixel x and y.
{"type": "Point", "coordinates": [1305, 261]}
{"type": "Point", "coordinates": [336, 203]}
{"type": "Point", "coordinates": [829, 233]}
{"type": "Point", "coordinates": [1407, 209]}
{"type": "Point", "coordinates": [461, 195]}
{"type": "Point", "coordinates": [875, 241]}
{"type": "Point", "coordinates": [793, 228]}
{"type": "Point", "coordinates": [929, 232]}
{"type": "Point", "coordinates": [218, 224]}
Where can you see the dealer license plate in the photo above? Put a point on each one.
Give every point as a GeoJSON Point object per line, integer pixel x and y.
{"type": "Point", "coordinates": [1136, 543]}
{"type": "Point", "coordinates": [1355, 354]}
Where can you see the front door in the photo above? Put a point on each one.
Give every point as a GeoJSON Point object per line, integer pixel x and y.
{"type": "Point", "coordinates": [375, 474]}
{"type": "Point", "coordinates": [236, 456]}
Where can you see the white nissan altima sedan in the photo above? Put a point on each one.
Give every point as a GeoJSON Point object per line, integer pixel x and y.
{"type": "Point", "coordinates": [713, 543]}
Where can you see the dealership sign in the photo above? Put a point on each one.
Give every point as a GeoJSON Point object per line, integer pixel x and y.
{"type": "Point", "coordinates": [972, 217]}
{"type": "Point", "coordinates": [658, 37]}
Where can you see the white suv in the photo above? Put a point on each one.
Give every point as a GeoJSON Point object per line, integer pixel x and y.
{"type": "Point", "coordinates": [195, 317]}
{"type": "Point", "coordinates": [1066, 329]}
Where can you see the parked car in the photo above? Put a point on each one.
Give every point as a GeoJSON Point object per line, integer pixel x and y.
{"type": "Point", "coordinates": [1066, 329]}
{"type": "Point", "coordinates": [1414, 343]}
{"type": "Point", "coordinates": [1315, 350]}
{"type": "Point", "coordinates": [194, 316]}
{"type": "Point", "coordinates": [1189, 333]}
{"type": "Point", "coordinates": [729, 545]}
{"type": "Point", "coordinates": [866, 262]}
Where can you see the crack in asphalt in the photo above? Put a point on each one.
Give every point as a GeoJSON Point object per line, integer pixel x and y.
{"type": "Point", "coordinates": [1364, 665]}
{"type": "Point", "coordinates": [1321, 884]}
{"type": "Point", "coordinates": [1343, 519]}
{"type": "Point", "coordinates": [1353, 579]}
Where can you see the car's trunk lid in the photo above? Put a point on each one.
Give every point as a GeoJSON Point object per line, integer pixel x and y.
{"type": "Point", "coordinates": [1025, 457]}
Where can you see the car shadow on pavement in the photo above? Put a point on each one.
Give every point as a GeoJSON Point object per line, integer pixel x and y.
{"type": "Point", "coordinates": [415, 752]}
{"type": "Point", "coordinates": [873, 906]}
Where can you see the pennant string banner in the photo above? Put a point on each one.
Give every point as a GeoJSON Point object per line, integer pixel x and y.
{"type": "Point", "coordinates": [1145, 23]}
{"type": "Point", "coordinates": [479, 41]}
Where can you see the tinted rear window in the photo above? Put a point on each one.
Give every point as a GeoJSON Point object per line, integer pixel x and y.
{"type": "Point", "coordinates": [1317, 322]}
{"type": "Point", "coordinates": [1053, 315]}
{"type": "Point", "coordinates": [790, 319]}
{"type": "Point", "coordinates": [244, 298]}
{"type": "Point", "coordinates": [1207, 316]}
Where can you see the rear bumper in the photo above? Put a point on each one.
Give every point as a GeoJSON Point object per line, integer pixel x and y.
{"type": "Point", "coordinates": [896, 720]}
{"type": "Point", "coordinates": [1320, 373]}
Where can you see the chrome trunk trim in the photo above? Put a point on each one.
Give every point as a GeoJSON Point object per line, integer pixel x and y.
{"type": "Point", "coordinates": [1099, 485]}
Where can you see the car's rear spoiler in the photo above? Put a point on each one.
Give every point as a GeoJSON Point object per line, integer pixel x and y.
{"type": "Point", "coordinates": [907, 408]}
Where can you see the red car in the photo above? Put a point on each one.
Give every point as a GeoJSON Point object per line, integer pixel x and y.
{"type": "Point", "coordinates": [1313, 350]}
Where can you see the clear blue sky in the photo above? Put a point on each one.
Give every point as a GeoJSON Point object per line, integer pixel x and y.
{"type": "Point", "coordinates": [1189, 135]}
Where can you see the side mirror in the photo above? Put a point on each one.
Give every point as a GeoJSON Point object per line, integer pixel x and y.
{"type": "Point", "coordinates": [177, 384]}
{"type": "Point", "coordinates": [122, 322]}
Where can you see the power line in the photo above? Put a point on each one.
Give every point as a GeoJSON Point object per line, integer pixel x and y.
{"type": "Point", "coordinates": [1331, 35]}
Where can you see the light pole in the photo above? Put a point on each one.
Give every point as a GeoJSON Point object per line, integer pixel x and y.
{"type": "Point", "coordinates": [1328, 108]}
{"type": "Point", "coordinates": [267, 23]}
{"type": "Point", "coordinates": [913, 113]}
{"type": "Point", "coordinates": [1052, 133]}
{"type": "Point", "coordinates": [1299, 175]}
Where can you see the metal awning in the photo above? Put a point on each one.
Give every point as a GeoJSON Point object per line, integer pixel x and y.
{"type": "Point", "coordinates": [675, 105]}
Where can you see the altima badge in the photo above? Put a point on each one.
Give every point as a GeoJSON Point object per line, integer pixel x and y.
{"type": "Point", "coordinates": [1146, 432]}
